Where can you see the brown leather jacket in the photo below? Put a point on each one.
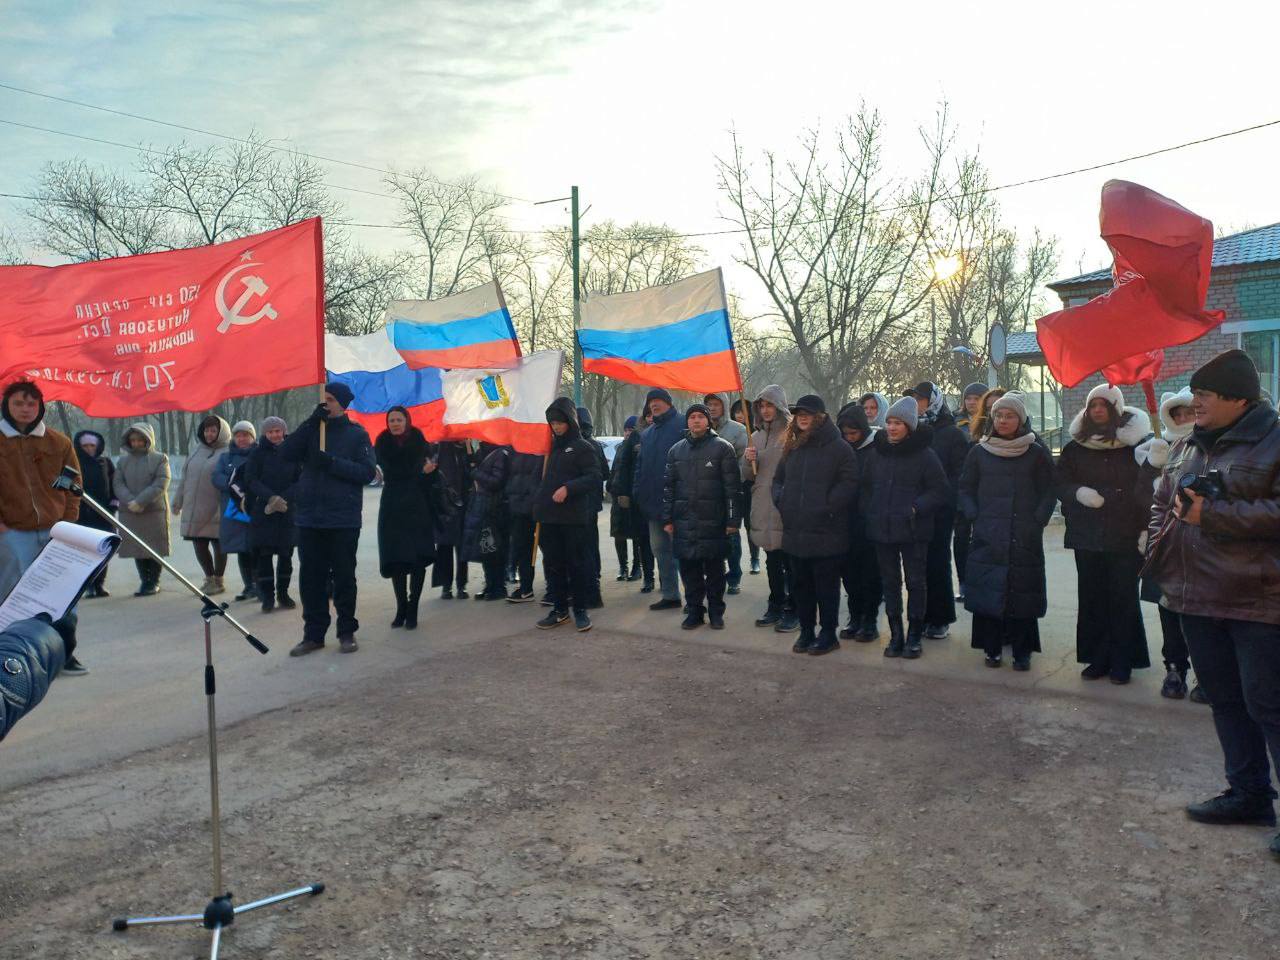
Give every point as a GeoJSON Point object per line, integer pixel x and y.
{"type": "Point", "coordinates": [29, 463]}
{"type": "Point", "coordinates": [1229, 566]}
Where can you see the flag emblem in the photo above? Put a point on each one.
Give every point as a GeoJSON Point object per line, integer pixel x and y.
{"type": "Point", "coordinates": [493, 392]}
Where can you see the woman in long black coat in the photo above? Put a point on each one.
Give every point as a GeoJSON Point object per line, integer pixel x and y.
{"type": "Point", "coordinates": [1097, 479]}
{"type": "Point", "coordinates": [453, 476]}
{"type": "Point", "coordinates": [406, 544]}
{"type": "Point", "coordinates": [1007, 496]}
{"type": "Point", "coordinates": [272, 482]}
{"type": "Point", "coordinates": [97, 476]}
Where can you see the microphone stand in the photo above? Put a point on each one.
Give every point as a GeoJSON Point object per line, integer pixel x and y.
{"type": "Point", "coordinates": [219, 913]}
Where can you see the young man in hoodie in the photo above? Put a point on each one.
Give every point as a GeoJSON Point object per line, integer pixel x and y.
{"type": "Point", "coordinates": [951, 447]}
{"type": "Point", "coordinates": [32, 455]}
{"type": "Point", "coordinates": [700, 511]}
{"type": "Point", "coordinates": [649, 484]}
{"type": "Point", "coordinates": [587, 426]}
{"type": "Point", "coordinates": [727, 428]}
{"type": "Point", "coordinates": [563, 505]}
{"type": "Point", "coordinates": [861, 571]}
{"type": "Point", "coordinates": [330, 511]}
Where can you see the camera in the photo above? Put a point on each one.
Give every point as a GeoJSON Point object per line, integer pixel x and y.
{"type": "Point", "coordinates": [1209, 485]}
{"type": "Point", "coordinates": [69, 480]}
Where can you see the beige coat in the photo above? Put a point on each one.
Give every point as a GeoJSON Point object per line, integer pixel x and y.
{"type": "Point", "coordinates": [143, 478]}
{"type": "Point", "coordinates": [766, 522]}
{"type": "Point", "coordinates": [197, 500]}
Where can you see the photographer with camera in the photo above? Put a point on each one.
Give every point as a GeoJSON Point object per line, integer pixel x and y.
{"type": "Point", "coordinates": [1214, 548]}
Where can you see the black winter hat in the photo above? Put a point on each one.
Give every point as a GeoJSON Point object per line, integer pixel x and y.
{"type": "Point", "coordinates": [1230, 374]}
{"type": "Point", "coordinates": [922, 390]}
{"type": "Point", "coordinates": [340, 392]}
{"type": "Point", "coordinates": [658, 393]}
{"type": "Point", "coordinates": [975, 389]}
{"type": "Point", "coordinates": [697, 408]}
{"type": "Point", "coordinates": [809, 403]}
{"type": "Point", "coordinates": [853, 417]}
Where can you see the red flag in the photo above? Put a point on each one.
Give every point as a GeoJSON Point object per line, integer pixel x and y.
{"type": "Point", "coordinates": [1163, 256]}
{"type": "Point", "coordinates": [182, 330]}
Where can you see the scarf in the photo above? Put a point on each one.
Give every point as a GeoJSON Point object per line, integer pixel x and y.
{"type": "Point", "coordinates": [1009, 448]}
{"type": "Point", "coordinates": [936, 399]}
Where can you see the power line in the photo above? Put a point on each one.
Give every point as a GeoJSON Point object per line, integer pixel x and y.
{"type": "Point", "coordinates": [244, 140]}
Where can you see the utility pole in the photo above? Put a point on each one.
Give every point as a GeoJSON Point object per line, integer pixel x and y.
{"type": "Point", "coordinates": [577, 304]}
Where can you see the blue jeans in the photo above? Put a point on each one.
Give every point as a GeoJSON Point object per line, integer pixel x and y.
{"type": "Point", "coordinates": [664, 556]}
{"type": "Point", "coordinates": [735, 559]}
{"type": "Point", "coordinates": [1238, 664]}
{"type": "Point", "coordinates": [18, 550]}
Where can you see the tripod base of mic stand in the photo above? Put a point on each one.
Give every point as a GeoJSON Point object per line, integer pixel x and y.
{"type": "Point", "coordinates": [218, 914]}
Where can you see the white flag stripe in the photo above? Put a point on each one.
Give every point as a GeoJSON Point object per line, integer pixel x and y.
{"type": "Point", "coordinates": [655, 306]}
{"type": "Point", "coordinates": [528, 387]}
{"type": "Point", "coordinates": [475, 302]}
{"type": "Point", "coordinates": [372, 352]}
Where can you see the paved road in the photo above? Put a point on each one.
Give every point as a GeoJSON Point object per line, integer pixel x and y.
{"type": "Point", "coordinates": [146, 658]}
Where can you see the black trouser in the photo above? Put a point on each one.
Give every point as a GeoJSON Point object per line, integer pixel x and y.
{"type": "Point", "coordinates": [495, 573]}
{"type": "Point", "coordinates": [1238, 664]}
{"type": "Point", "coordinates": [963, 530]}
{"type": "Point", "coordinates": [326, 555]}
{"type": "Point", "coordinates": [899, 561]}
{"type": "Point", "coordinates": [1174, 648]}
{"type": "Point", "coordinates": [940, 598]}
{"type": "Point", "coordinates": [704, 582]}
{"type": "Point", "coordinates": [148, 570]}
{"type": "Point", "coordinates": [567, 565]}
{"type": "Point", "coordinates": [448, 560]}
{"type": "Point", "coordinates": [620, 548]}
{"type": "Point", "coordinates": [777, 566]}
{"type": "Point", "coordinates": [406, 584]}
{"type": "Point", "coordinates": [593, 552]}
{"type": "Point", "coordinates": [1109, 628]}
{"type": "Point", "coordinates": [273, 576]}
{"type": "Point", "coordinates": [861, 575]}
{"type": "Point", "coordinates": [746, 518]}
{"type": "Point", "coordinates": [644, 549]}
{"type": "Point", "coordinates": [213, 562]}
{"type": "Point", "coordinates": [522, 528]}
{"type": "Point", "coordinates": [815, 582]}
{"type": "Point", "coordinates": [248, 572]}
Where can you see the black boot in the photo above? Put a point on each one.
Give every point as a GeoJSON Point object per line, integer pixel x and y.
{"type": "Point", "coordinates": [400, 588]}
{"type": "Point", "coordinates": [896, 640]}
{"type": "Point", "coordinates": [283, 600]}
{"type": "Point", "coordinates": [787, 622]}
{"type": "Point", "coordinates": [770, 617]}
{"type": "Point", "coordinates": [266, 590]}
{"type": "Point", "coordinates": [851, 631]}
{"type": "Point", "coordinates": [416, 582]}
{"type": "Point", "coordinates": [635, 570]}
{"type": "Point", "coordinates": [804, 641]}
{"type": "Point", "coordinates": [1232, 807]}
{"type": "Point", "coordinates": [825, 643]}
{"type": "Point", "coordinates": [868, 631]}
{"type": "Point", "coordinates": [915, 630]}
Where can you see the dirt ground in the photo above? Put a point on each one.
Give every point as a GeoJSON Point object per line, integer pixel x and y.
{"type": "Point", "coordinates": [495, 791]}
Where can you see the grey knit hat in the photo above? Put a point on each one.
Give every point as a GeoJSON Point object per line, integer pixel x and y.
{"type": "Point", "coordinates": [905, 410]}
{"type": "Point", "coordinates": [1012, 401]}
{"type": "Point", "coordinates": [270, 423]}
{"type": "Point", "coordinates": [244, 426]}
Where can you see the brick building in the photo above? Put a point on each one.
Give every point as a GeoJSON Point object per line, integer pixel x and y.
{"type": "Point", "coordinates": [1245, 282]}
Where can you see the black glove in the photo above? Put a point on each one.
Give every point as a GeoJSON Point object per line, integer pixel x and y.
{"type": "Point", "coordinates": [319, 414]}
{"type": "Point", "coordinates": [320, 459]}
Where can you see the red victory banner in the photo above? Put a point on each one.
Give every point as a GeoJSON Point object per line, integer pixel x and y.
{"type": "Point", "coordinates": [1163, 256]}
{"type": "Point", "coordinates": [182, 330]}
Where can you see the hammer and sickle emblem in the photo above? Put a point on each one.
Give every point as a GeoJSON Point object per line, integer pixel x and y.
{"type": "Point", "coordinates": [234, 315]}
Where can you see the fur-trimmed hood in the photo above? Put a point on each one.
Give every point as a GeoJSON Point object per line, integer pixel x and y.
{"type": "Point", "coordinates": [1168, 401]}
{"type": "Point", "coordinates": [1135, 429]}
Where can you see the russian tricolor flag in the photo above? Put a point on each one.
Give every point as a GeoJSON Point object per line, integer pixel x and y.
{"type": "Point", "coordinates": [501, 404]}
{"type": "Point", "coordinates": [469, 329]}
{"type": "Point", "coordinates": [675, 336]}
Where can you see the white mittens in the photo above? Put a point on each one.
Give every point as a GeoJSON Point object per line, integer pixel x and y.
{"type": "Point", "coordinates": [1090, 497]}
{"type": "Point", "coordinates": [1158, 452]}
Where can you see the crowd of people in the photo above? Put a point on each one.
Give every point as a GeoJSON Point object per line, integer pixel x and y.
{"type": "Point", "coordinates": [884, 498]}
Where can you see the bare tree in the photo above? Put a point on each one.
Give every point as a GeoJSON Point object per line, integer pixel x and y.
{"type": "Point", "coordinates": [840, 248]}
{"type": "Point", "coordinates": [86, 214]}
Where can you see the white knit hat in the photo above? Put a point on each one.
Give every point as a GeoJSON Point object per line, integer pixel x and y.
{"type": "Point", "coordinates": [1012, 401]}
{"type": "Point", "coordinates": [1113, 396]}
{"type": "Point", "coordinates": [244, 426]}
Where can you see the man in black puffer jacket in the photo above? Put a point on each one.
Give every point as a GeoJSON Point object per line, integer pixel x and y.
{"type": "Point", "coordinates": [563, 505]}
{"type": "Point", "coordinates": [903, 489]}
{"type": "Point", "coordinates": [861, 572]}
{"type": "Point", "coordinates": [329, 510]}
{"type": "Point", "coordinates": [952, 446]}
{"type": "Point", "coordinates": [699, 511]}
{"type": "Point", "coordinates": [522, 487]}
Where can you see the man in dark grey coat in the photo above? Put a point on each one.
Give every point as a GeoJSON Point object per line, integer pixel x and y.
{"type": "Point", "coordinates": [329, 514]}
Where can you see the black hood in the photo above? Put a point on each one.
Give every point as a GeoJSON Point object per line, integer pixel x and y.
{"type": "Point", "coordinates": [585, 423]}
{"type": "Point", "coordinates": [101, 440]}
{"type": "Point", "coordinates": [852, 415]}
{"type": "Point", "coordinates": [565, 410]}
{"type": "Point", "coordinates": [914, 442]}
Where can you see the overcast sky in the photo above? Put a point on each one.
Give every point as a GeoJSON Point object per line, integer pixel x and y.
{"type": "Point", "coordinates": [632, 99]}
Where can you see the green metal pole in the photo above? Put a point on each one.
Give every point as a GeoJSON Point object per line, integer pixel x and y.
{"type": "Point", "coordinates": [577, 307]}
